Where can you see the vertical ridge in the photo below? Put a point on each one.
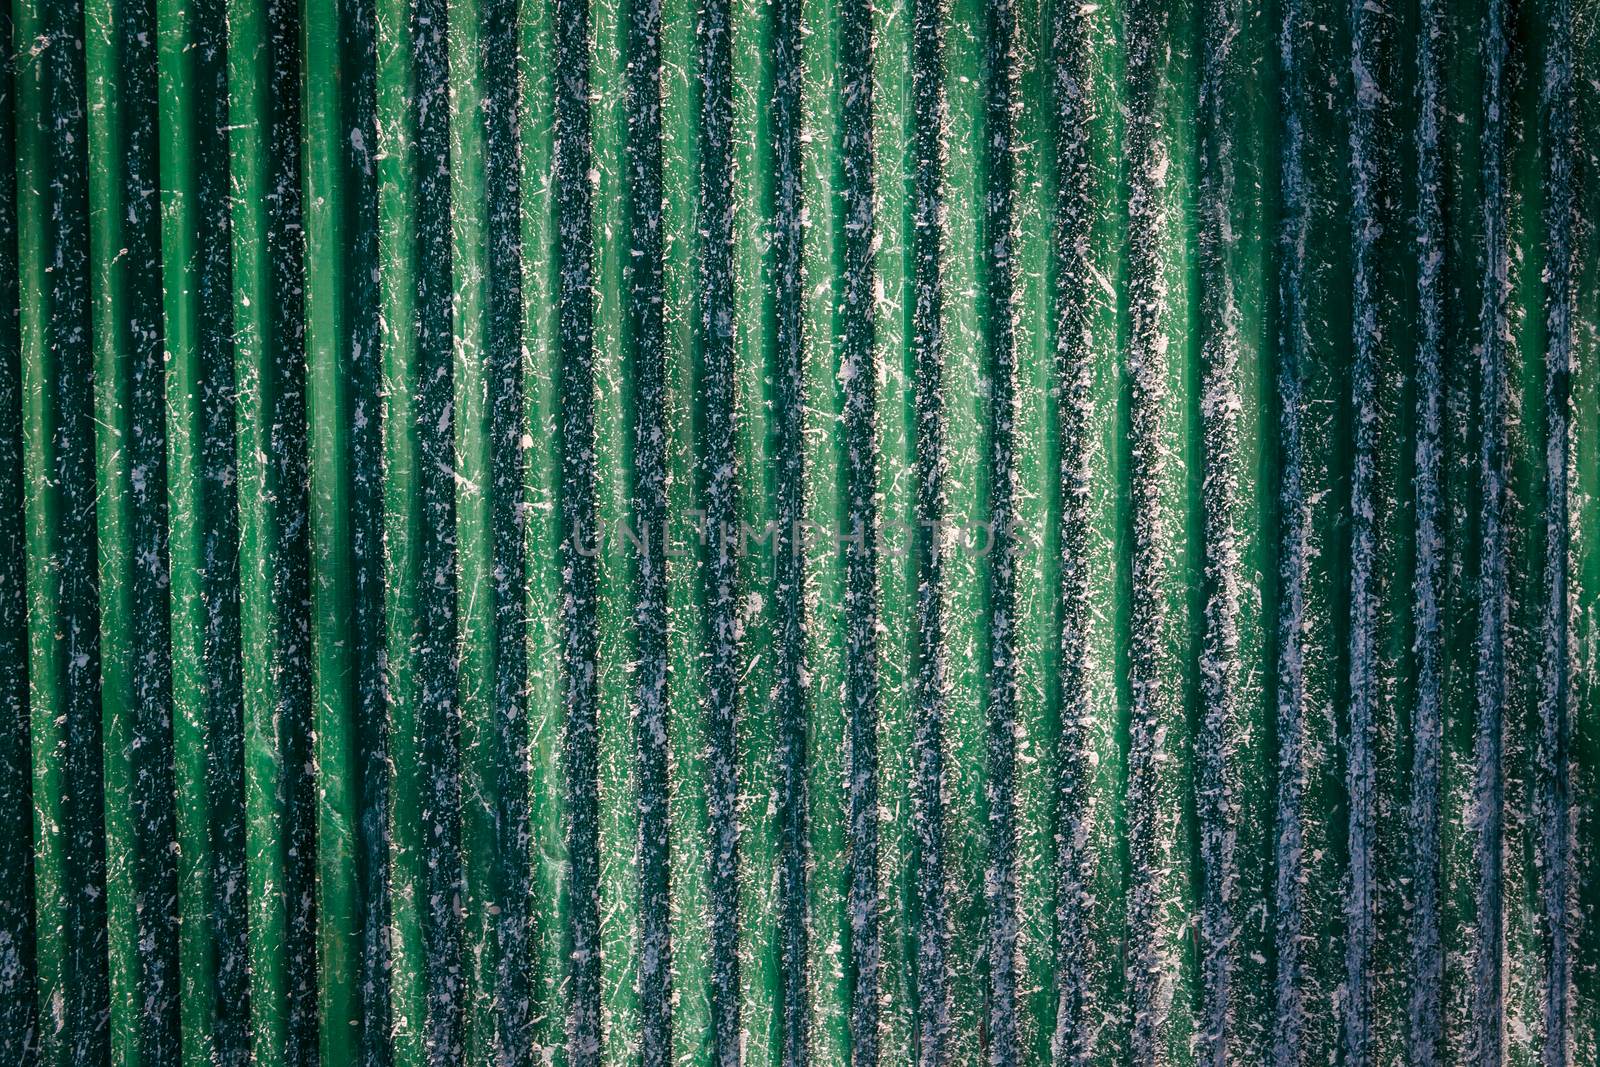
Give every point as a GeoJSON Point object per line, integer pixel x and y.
{"type": "Point", "coordinates": [694, 1038]}
{"type": "Point", "coordinates": [346, 485]}
{"type": "Point", "coordinates": [136, 701]}
{"type": "Point", "coordinates": [1230, 775]}
{"type": "Point", "coordinates": [615, 468]}
{"type": "Point", "coordinates": [540, 272]}
{"type": "Point", "coordinates": [207, 652]}
{"type": "Point", "coordinates": [1035, 524]}
{"type": "Point", "coordinates": [59, 475]}
{"type": "Point", "coordinates": [755, 337]}
{"type": "Point", "coordinates": [891, 299]}
{"type": "Point", "coordinates": [490, 449]}
{"type": "Point", "coordinates": [1159, 890]}
{"type": "Point", "coordinates": [267, 224]}
{"type": "Point", "coordinates": [1089, 334]}
{"type": "Point", "coordinates": [414, 204]}
{"type": "Point", "coordinates": [965, 374]}
{"type": "Point", "coordinates": [1221, 667]}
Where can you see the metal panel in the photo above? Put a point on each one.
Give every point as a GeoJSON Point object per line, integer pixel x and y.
{"type": "Point", "coordinates": [799, 532]}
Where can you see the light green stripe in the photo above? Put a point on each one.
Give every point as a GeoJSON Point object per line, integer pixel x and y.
{"type": "Point", "coordinates": [966, 449]}
{"type": "Point", "coordinates": [897, 590]}
{"type": "Point", "coordinates": [546, 712]}
{"type": "Point", "coordinates": [690, 845]}
{"type": "Point", "coordinates": [328, 399]}
{"type": "Point", "coordinates": [1037, 511]}
{"type": "Point", "coordinates": [403, 527]}
{"type": "Point", "coordinates": [827, 883]}
{"type": "Point", "coordinates": [754, 335]}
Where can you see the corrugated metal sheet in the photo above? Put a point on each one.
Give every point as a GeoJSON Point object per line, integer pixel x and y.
{"type": "Point", "coordinates": [799, 531]}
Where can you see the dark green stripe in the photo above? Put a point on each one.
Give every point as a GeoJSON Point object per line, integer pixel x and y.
{"type": "Point", "coordinates": [648, 512]}
{"type": "Point", "coordinates": [1425, 976]}
{"type": "Point", "coordinates": [1485, 1038]}
{"type": "Point", "coordinates": [1554, 763]}
{"type": "Point", "coordinates": [575, 348]}
{"type": "Point", "coordinates": [931, 916]}
{"type": "Point", "coordinates": [19, 1009]}
{"type": "Point", "coordinates": [998, 302]}
{"type": "Point", "coordinates": [859, 371]}
{"type": "Point", "coordinates": [439, 726]}
{"type": "Point", "coordinates": [503, 351]}
{"type": "Point", "coordinates": [789, 590]}
{"type": "Point", "coordinates": [719, 499]}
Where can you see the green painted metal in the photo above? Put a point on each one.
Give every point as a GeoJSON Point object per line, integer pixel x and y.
{"type": "Point", "coordinates": [803, 532]}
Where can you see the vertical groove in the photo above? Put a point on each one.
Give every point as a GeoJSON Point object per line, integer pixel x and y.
{"type": "Point", "coordinates": [503, 330]}
{"type": "Point", "coordinates": [720, 503]}
{"type": "Point", "coordinates": [1000, 887]}
{"type": "Point", "coordinates": [1074, 222]}
{"type": "Point", "coordinates": [19, 1009]}
{"type": "Point", "coordinates": [1553, 748]}
{"type": "Point", "coordinates": [859, 372]}
{"type": "Point", "coordinates": [1295, 533]}
{"type": "Point", "coordinates": [1367, 159]}
{"type": "Point", "coordinates": [1426, 975]}
{"type": "Point", "coordinates": [649, 514]}
{"type": "Point", "coordinates": [790, 585]}
{"type": "Point", "coordinates": [928, 691]}
{"type": "Point", "coordinates": [575, 348]}
{"type": "Point", "coordinates": [1486, 1040]}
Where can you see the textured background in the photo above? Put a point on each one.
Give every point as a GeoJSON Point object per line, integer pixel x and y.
{"type": "Point", "coordinates": [331, 331]}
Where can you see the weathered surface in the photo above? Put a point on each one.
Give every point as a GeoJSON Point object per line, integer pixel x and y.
{"type": "Point", "coordinates": [812, 532]}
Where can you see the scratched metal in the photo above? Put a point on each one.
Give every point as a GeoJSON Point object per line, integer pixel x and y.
{"type": "Point", "coordinates": [782, 532]}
